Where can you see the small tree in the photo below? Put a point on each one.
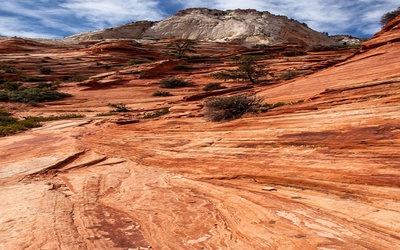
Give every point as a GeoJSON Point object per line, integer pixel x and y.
{"type": "Point", "coordinates": [180, 47]}
{"type": "Point", "coordinates": [389, 16]}
{"type": "Point", "coordinates": [247, 69]}
{"type": "Point", "coordinates": [247, 65]}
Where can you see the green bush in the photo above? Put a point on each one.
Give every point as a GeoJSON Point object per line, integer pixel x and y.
{"type": "Point", "coordinates": [229, 75]}
{"type": "Point", "coordinates": [290, 74]}
{"type": "Point", "coordinates": [172, 83]}
{"type": "Point", "coordinates": [53, 118]}
{"type": "Point", "coordinates": [213, 86]}
{"type": "Point", "coordinates": [229, 108]}
{"type": "Point", "coordinates": [157, 113]}
{"type": "Point", "coordinates": [138, 61]}
{"type": "Point", "coordinates": [10, 86]}
{"type": "Point", "coordinates": [162, 93]}
{"type": "Point", "coordinates": [34, 94]}
{"type": "Point", "coordinates": [10, 125]}
{"type": "Point", "coordinates": [118, 107]}
{"type": "Point", "coordinates": [8, 68]}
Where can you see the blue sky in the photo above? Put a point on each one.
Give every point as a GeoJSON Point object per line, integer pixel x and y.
{"type": "Point", "coordinates": [60, 18]}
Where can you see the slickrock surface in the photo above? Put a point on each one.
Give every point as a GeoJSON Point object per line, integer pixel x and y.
{"type": "Point", "coordinates": [319, 174]}
{"type": "Point", "coordinates": [244, 26]}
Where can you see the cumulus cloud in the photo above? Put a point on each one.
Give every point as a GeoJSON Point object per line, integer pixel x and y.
{"type": "Point", "coordinates": [65, 17]}
{"type": "Point", "coordinates": [57, 18]}
{"type": "Point", "coordinates": [105, 12]}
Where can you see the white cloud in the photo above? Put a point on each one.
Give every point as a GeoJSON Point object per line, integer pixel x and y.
{"type": "Point", "coordinates": [105, 12]}
{"type": "Point", "coordinates": [11, 26]}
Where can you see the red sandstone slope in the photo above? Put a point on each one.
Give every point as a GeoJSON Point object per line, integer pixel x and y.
{"type": "Point", "coordinates": [379, 61]}
{"type": "Point", "coordinates": [323, 174]}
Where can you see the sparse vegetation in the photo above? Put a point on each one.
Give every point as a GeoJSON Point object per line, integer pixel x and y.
{"type": "Point", "coordinates": [171, 83]}
{"type": "Point", "coordinates": [389, 16]}
{"type": "Point", "coordinates": [14, 92]}
{"type": "Point", "coordinates": [10, 125]}
{"type": "Point", "coordinates": [247, 69]}
{"type": "Point", "coordinates": [53, 118]}
{"type": "Point", "coordinates": [290, 74]}
{"type": "Point", "coordinates": [137, 61]}
{"type": "Point", "coordinates": [294, 53]}
{"type": "Point", "coordinates": [105, 114]}
{"type": "Point", "coordinates": [228, 75]}
{"type": "Point", "coordinates": [229, 108]}
{"type": "Point", "coordinates": [157, 113]}
{"type": "Point", "coordinates": [162, 93]}
{"type": "Point", "coordinates": [179, 47]}
{"type": "Point", "coordinates": [8, 68]}
{"type": "Point", "coordinates": [118, 107]}
{"type": "Point", "coordinates": [213, 86]}
{"type": "Point", "coordinates": [10, 85]}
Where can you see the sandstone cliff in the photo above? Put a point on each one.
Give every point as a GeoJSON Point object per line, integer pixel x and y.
{"type": "Point", "coordinates": [244, 26]}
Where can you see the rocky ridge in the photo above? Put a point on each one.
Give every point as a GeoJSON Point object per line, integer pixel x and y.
{"type": "Point", "coordinates": [247, 27]}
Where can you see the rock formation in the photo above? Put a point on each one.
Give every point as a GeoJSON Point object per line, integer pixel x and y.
{"type": "Point", "coordinates": [321, 171]}
{"type": "Point", "coordinates": [248, 27]}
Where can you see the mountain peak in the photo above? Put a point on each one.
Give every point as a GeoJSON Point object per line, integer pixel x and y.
{"type": "Point", "coordinates": [245, 26]}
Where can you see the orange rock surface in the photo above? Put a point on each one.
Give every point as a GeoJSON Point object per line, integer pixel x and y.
{"type": "Point", "coordinates": [318, 174]}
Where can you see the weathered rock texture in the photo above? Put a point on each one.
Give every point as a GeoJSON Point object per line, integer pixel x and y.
{"type": "Point", "coordinates": [243, 26]}
{"type": "Point", "coordinates": [318, 174]}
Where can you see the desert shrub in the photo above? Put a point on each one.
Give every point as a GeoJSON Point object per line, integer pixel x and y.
{"type": "Point", "coordinates": [290, 74]}
{"type": "Point", "coordinates": [162, 93]}
{"type": "Point", "coordinates": [45, 71]}
{"type": "Point", "coordinates": [294, 53]}
{"type": "Point", "coordinates": [229, 75]}
{"type": "Point", "coordinates": [172, 83]}
{"type": "Point", "coordinates": [53, 118]}
{"type": "Point", "coordinates": [118, 107]}
{"type": "Point", "coordinates": [229, 108]}
{"type": "Point", "coordinates": [137, 61]}
{"type": "Point", "coordinates": [8, 68]}
{"type": "Point", "coordinates": [10, 125]}
{"type": "Point", "coordinates": [3, 96]}
{"type": "Point", "coordinates": [157, 113]}
{"type": "Point", "coordinates": [35, 94]}
{"type": "Point", "coordinates": [213, 86]}
{"type": "Point", "coordinates": [10, 85]}
{"type": "Point", "coordinates": [389, 16]}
